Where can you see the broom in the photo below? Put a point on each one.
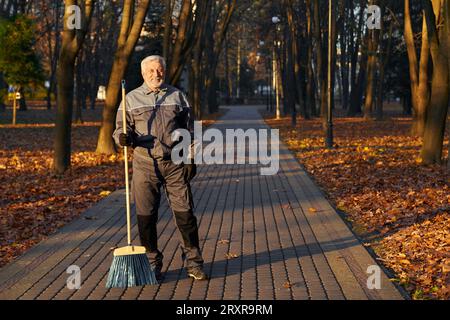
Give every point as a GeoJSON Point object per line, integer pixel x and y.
{"type": "Point", "coordinates": [130, 266]}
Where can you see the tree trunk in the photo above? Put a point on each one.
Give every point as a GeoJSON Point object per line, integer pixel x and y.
{"type": "Point", "coordinates": [208, 75]}
{"type": "Point", "coordinates": [433, 137]}
{"type": "Point", "coordinates": [423, 90]}
{"type": "Point", "coordinates": [221, 34]}
{"type": "Point", "coordinates": [72, 41]}
{"type": "Point", "coordinates": [48, 98]}
{"type": "Point", "coordinates": [64, 102]}
{"type": "Point", "coordinates": [418, 77]}
{"type": "Point", "coordinates": [167, 31]}
{"type": "Point", "coordinates": [22, 100]}
{"type": "Point", "coordinates": [344, 67]}
{"type": "Point", "coordinates": [371, 64]}
{"type": "Point", "coordinates": [212, 98]}
{"type": "Point", "coordinates": [436, 116]}
{"type": "Point", "coordinates": [294, 93]}
{"type": "Point", "coordinates": [2, 86]}
{"type": "Point", "coordinates": [310, 96]}
{"type": "Point", "coordinates": [300, 74]}
{"type": "Point", "coordinates": [78, 92]}
{"type": "Point", "coordinates": [383, 61]}
{"type": "Point", "coordinates": [181, 48]}
{"type": "Point", "coordinates": [358, 87]}
{"type": "Point", "coordinates": [407, 104]}
{"type": "Point", "coordinates": [129, 34]}
{"type": "Point", "coordinates": [333, 55]}
{"type": "Point", "coordinates": [356, 79]}
{"type": "Point", "coordinates": [321, 78]}
{"type": "Point", "coordinates": [196, 68]}
{"type": "Point", "coordinates": [292, 89]}
{"type": "Point", "coordinates": [53, 52]}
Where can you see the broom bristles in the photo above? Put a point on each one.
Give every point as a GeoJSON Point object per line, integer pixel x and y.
{"type": "Point", "coordinates": [130, 271]}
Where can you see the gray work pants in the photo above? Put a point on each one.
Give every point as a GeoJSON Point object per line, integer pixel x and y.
{"type": "Point", "coordinates": [149, 175]}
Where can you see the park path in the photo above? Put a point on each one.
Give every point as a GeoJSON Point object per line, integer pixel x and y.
{"type": "Point", "coordinates": [260, 240]}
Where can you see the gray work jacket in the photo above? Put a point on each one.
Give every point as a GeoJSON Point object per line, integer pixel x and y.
{"type": "Point", "coordinates": [152, 117]}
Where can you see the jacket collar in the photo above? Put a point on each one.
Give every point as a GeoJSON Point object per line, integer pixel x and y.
{"type": "Point", "coordinates": [147, 90]}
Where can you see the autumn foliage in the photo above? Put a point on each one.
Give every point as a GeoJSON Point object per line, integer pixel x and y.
{"type": "Point", "coordinates": [400, 207]}
{"type": "Point", "coordinates": [34, 202]}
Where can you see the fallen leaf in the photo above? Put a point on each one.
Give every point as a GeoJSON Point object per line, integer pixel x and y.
{"type": "Point", "coordinates": [231, 255]}
{"type": "Point", "coordinates": [382, 188]}
{"type": "Point", "coordinates": [105, 193]}
{"type": "Point", "coordinates": [446, 266]}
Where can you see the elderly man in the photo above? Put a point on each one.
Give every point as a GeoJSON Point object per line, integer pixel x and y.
{"type": "Point", "coordinates": [154, 111]}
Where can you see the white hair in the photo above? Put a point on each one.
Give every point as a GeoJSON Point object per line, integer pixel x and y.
{"type": "Point", "coordinates": [153, 58]}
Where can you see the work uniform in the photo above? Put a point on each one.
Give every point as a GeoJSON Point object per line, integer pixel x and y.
{"type": "Point", "coordinates": [152, 117]}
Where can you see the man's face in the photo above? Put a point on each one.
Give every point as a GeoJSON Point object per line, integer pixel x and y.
{"type": "Point", "coordinates": [154, 74]}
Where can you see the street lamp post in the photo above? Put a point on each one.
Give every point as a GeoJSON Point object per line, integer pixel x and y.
{"type": "Point", "coordinates": [265, 91]}
{"type": "Point", "coordinates": [274, 79]}
{"type": "Point", "coordinates": [269, 83]}
{"type": "Point", "coordinates": [238, 89]}
{"type": "Point", "coordinates": [275, 21]}
{"type": "Point", "coordinates": [329, 125]}
{"type": "Point", "coordinates": [14, 106]}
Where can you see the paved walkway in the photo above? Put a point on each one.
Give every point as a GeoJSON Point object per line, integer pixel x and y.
{"type": "Point", "coordinates": [258, 236]}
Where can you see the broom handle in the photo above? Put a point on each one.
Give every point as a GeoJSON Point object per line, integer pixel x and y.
{"type": "Point", "coordinates": [125, 155]}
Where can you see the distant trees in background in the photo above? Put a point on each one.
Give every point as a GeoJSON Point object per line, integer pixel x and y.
{"type": "Point", "coordinates": [369, 66]}
{"type": "Point", "coordinates": [19, 64]}
{"type": "Point", "coordinates": [223, 51]}
{"type": "Point", "coordinates": [132, 20]}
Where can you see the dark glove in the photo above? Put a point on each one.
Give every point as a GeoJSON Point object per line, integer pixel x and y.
{"type": "Point", "coordinates": [126, 139]}
{"type": "Point", "coordinates": [190, 170]}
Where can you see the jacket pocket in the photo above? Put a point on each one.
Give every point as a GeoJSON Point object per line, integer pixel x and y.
{"type": "Point", "coordinates": [169, 123]}
{"type": "Point", "coordinates": [143, 117]}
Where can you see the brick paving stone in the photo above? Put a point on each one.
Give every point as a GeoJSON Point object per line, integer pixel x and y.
{"type": "Point", "coordinates": [282, 251]}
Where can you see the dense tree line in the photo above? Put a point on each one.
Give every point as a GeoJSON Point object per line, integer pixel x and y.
{"type": "Point", "coordinates": [107, 46]}
{"type": "Point", "coordinates": [233, 47]}
{"type": "Point", "coordinates": [368, 65]}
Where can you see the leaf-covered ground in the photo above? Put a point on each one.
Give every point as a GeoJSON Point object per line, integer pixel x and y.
{"type": "Point", "coordinates": [34, 202]}
{"type": "Point", "coordinates": [399, 206]}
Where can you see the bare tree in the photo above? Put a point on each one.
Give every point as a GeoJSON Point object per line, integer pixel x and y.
{"type": "Point", "coordinates": [130, 30]}
{"type": "Point", "coordinates": [226, 11]}
{"type": "Point", "coordinates": [358, 53]}
{"type": "Point", "coordinates": [437, 13]}
{"type": "Point", "coordinates": [418, 71]}
{"type": "Point", "coordinates": [383, 60]}
{"type": "Point", "coordinates": [52, 24]}
{"type": "Point", "coordinates": [72, 40]}
{"type": "Point", "coordinates": [183, 44]}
